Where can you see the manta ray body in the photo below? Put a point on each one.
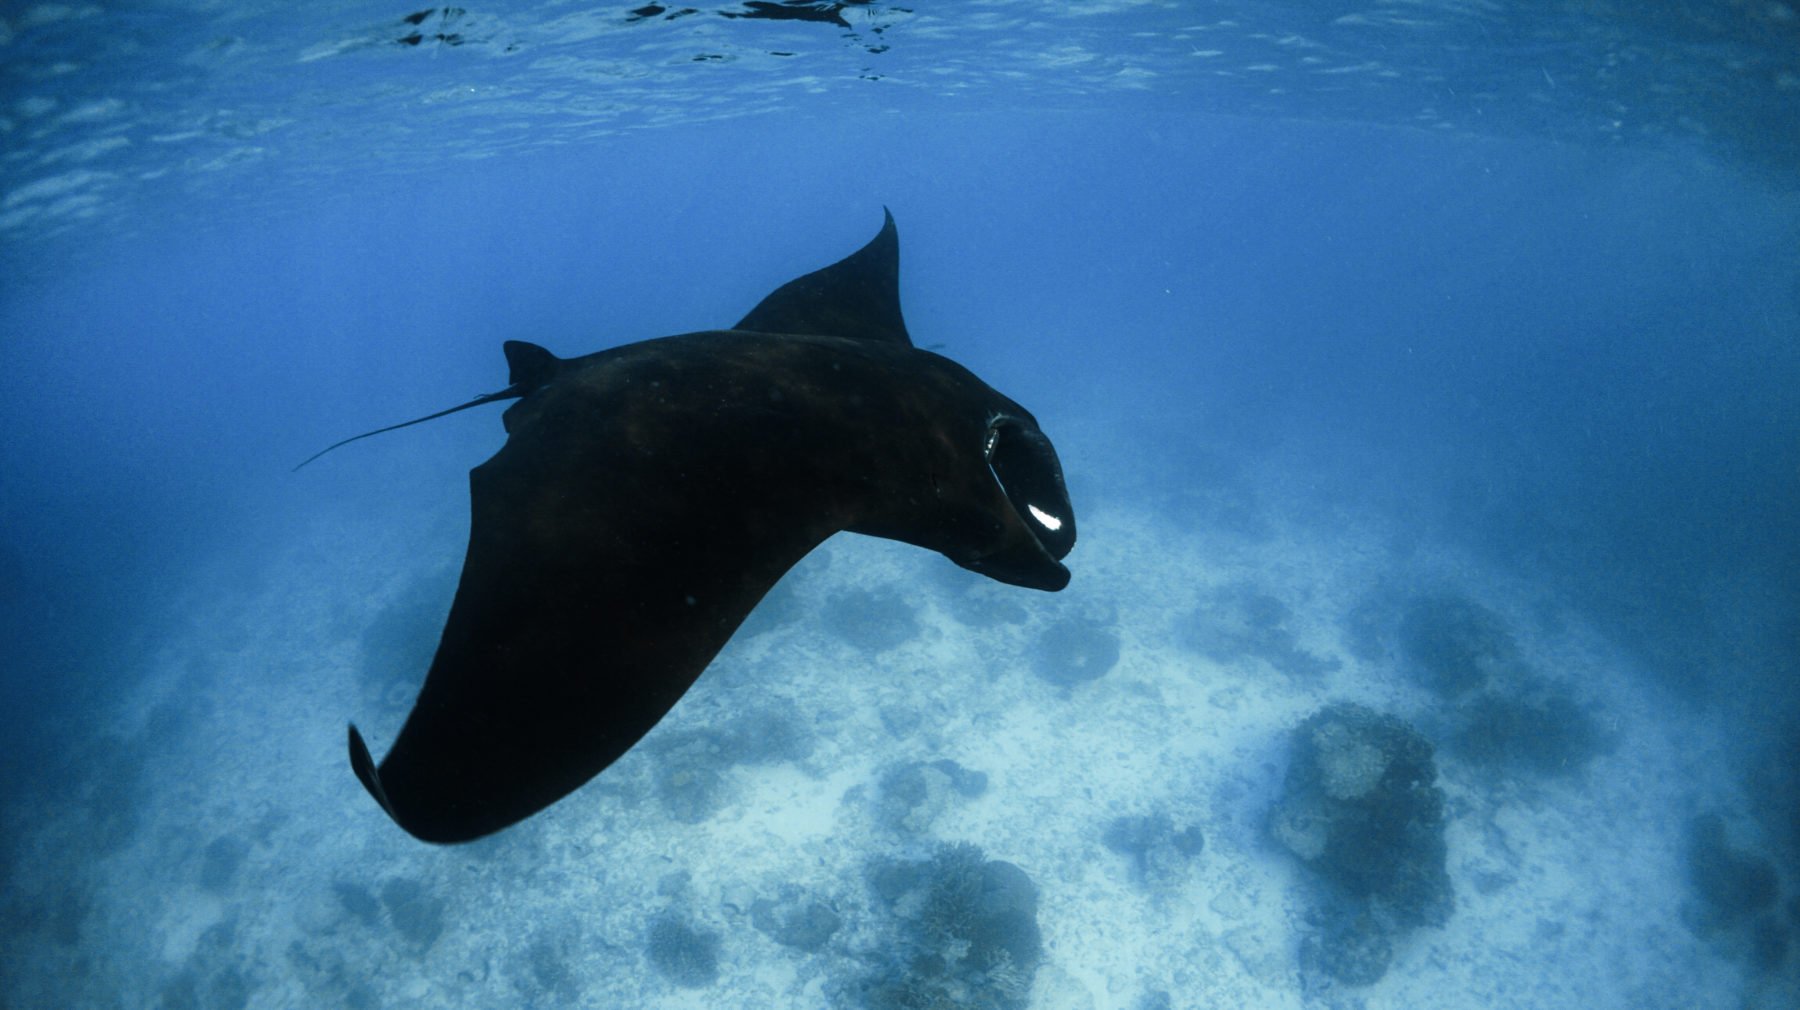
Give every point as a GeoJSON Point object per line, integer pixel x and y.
{"type": "Point", "coordinates": [649, 495]}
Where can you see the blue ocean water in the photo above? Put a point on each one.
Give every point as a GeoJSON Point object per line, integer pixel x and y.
{"type": "Point", "coordinates": [1369, 334]}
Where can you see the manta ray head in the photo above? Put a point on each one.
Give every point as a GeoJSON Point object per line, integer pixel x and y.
{"type": "Point", "coordinates": [1040, 530]}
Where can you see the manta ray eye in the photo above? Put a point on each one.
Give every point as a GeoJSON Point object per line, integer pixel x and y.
{"type": "Point", "coordinates": [1025, 466]}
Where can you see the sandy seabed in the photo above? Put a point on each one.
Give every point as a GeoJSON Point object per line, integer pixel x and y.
{"type": "Point", "coordinates": [222, 855]}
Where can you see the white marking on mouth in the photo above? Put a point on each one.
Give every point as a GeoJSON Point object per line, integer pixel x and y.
{"type": "Point", "coordinates": [1044, 519]}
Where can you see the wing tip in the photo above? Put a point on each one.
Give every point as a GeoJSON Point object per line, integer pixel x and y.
{"type": "Point", "coordinates": [364, 766]}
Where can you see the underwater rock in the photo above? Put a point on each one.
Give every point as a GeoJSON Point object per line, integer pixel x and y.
{"type": "Point", "coordinates": [682, 953]}
{"type": "Point", "coordinates": [1532, 729]}
{"type": "Point", "coordinates": [547, 975]}
{"type": "Point", "coordinates": [1768, 944]}
{"type": "Point", "coordinates": [1352, 951]}
{"type": "Point", "coordinates": [690, 781]}
{"type": "Point", "coordinates": [1360, 808]}
{"type": "Point", "coordinates": [1452, 645]}
{"type": "Point", "coordinates": [357, 901]}
{"type": "Point", "coordinates": [229, 989]}
{"type": "Point", "coordinates": [1366, 627]}
{"type": "Point", "coordinates": [794, 920]}
{"type": "Point", "coordinates": [1074, 651]}
{"type": "Point", "coordinates": [220, 861]}
{"type": "Point", "coordinates": [872, 620]}
{"type": "Point", "coordinates": [1739, 896]}
{"type": "Point", "coordinates": [690, 788]}
{"type": "Point", "coordinates": [1234, 622]}
{"type": "Point", "coordinates": [768, 733]}
{"type": "Point", "coordinates": [900, 720]}
{"type": "Point", "coordinates": [416, 914]}
{"type": "Point", "coordinates": [1159, 854]}
{"type": "Point", "coordinates": [1348, 946]}
{"type": "Point", "coordinates": [965, 934]}
{"type": "Point", "coordinates": [1733, 885]}
{"type": "Point", "coordinates": [1772, 776]}
{"type": "Point", "coordinates": [59, 916]}
{"type": "Point", "coordinates": [912, 795]}
{"type": "Point", "coordinates": [1239, 622]}
{"type": "Point", "coordinates": [1155, 999]}
{"type": "Point", "coordinates": [209, 980]}
{"type": "Point", "coordinates": [904, 799]}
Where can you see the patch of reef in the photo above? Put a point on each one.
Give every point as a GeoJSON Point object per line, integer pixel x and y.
{"type": "Point", "coordinates": [960, 931]}
{"type": "Point", "coordinates": [796, 918]}
{"type": "Point", "coordinates": [1158, 852]}
{"type": "Point", "coordinates": [1735, 896]}
{"type": "Point", "coordinates": [911, 795]}
{"type": "Point", "coordinates": [350, 932]}
{"type": "Point", "coordinates": [1075, 650]}
{"type": "Point", "coordinates": [1361, 811]}
{"type": "Point", "coordinates": [1502, 719]}
{"type": "Point", "coordinates": [872, 620]}
{"type": "Point", "coordinates": [1240, 623]}
{"type": "Point", "coordinates": [691, 780]}
{"type": "Point", "coordinates": [682, 951]}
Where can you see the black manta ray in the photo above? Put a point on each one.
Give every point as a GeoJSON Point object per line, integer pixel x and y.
{"type": "Point", "coordinates": [648, 496]}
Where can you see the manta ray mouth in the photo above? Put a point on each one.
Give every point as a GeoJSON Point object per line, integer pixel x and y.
{"type": "Point", "coordinates": [1025, 466]}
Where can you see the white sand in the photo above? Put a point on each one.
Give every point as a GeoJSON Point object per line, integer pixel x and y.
{"type": "Point", "coordinates": [1586, 911]}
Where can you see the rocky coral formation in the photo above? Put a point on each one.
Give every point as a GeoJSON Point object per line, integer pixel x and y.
{"type": "Point", "coordinates": [911, 795]}
{"type": "Point", "coordinates": [416, 913]}
{"type": "Point", "coordinates": [1240, 622]}
{"type": "Point", "coordinates": [220, 862]}
{"type": "Point", "coordinates": [873, 620]}
{"type": "Point", "coordinates": [794, 919]}
{"type": "Point", "coordinates": [1737, 892]}
{"type": "Point", "coordinates": [1075, 650]}
{"type": "Point", "coordinates": [1158, 852]}
{"type": "Point", "coordinates": [1453, 645]}
{"type": "Point", "coordinates": [1360, 808]}
{"type": "Point", "coordinates": [965, 934]}
{"type": "Point", "coordinates": [1509, 720]}
{"type": "Point", "coordinates": [690, 780]}
{"type": "Point", "coordinates": [682, 952]}
{"type": "Point", "coordinates": [1530, 729]}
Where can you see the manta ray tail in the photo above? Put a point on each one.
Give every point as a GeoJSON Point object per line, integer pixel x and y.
{"type": "Point", "coordinates": [530, 368]}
